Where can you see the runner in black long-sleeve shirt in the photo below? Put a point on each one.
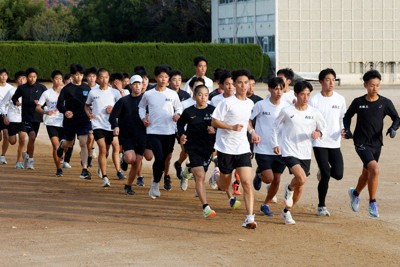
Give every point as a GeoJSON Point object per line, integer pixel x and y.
{"type": "Point", "coordinates": [126, 123]}
{"type": "Point", "coordinates": [30, 93]}
{"type": "Point", "coordinates": [198, 139]}
{"type": "Point", "coordinates": [371, 109]}
{"type": "Point", "coordinates": [71, 102]}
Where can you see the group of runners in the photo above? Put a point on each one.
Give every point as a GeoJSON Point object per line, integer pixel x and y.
{"type": "Point", "coordinates": [225, 127]}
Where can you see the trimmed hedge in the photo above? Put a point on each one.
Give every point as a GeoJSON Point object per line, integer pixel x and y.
{"type": "Point", "coordinates": [122, 57]}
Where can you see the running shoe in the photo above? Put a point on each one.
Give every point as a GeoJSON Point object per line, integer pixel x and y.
{"type": "Point", "coordinates": [183, 183]}
{"type": "Point", "coordinates": [178, 169]}
{"type": "Point", "coordinates": [128, 190]}
{"type": "Point", "coordinates": [235, 187]}
{"type": "Point", "coordinates": [167, 183]}
{"type": "Point", "coordinates": [287, 217]}
{"type": "Point", "coordinates": [120, 175]}
{"type": "Point", "coordinates": [234, 203]}
{"type": "Point", "coordinates": [257, 182]}
{"type": "Point", "coordinates": [213, 179]}
{"type": "Point", "coordinates": [66, 165]}
{"type": "Point", "coordinates": [274, 199]}
{"type": "Point", "coordinates": [106, 182]}
{"type": "Point", "coordinates": [85, 174]}
{"type": "Point", "coordinates": [373, 209]}
{"type": "Point", "coordinates": [154, 191]}
{"type": "Point", "coordinates": [25, 156]}
{"type": "Point", "coordinates": [354, 201]}
{"type": "Point", "coordinates": [140, 181]}
{"type": "Point", "coordinates": [3, 160]}
{"type": "Point", "coordinates": [249, 223]}
{"type": "Point", "coordinates": [288, 196]}
{"type": "Point", "coordinates": [30, 164]}
{"type": "Point", "coordinates": [60, 150]}
{"type": "Point", "coordinates": [123, 164]}
{"type": "Point", "coordinates": [208, 212]}
{"type": "Point", "coordinates": [59, 173]}
{"type": "Point", "coordinates": [19, 165]}
{"type": "Point", "coordinates": [99, 172]}
{"type": "Point", "coordinates": [265, 209]}
{"type": "Point", "coordinates": [186, 173]}
{"type": "Point", "coordinates": [93, 154]}
{"type": "Point", "coordinates": [319, 175]}
{"type": "Point", "coordinates": [323, 211]}
{"type": "Point", "coordinates": [89, 161]}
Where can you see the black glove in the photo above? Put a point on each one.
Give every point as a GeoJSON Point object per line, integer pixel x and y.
{"type": "Point", "coordinates": [391, 132]}
{"type": "Point", "coordinates": [348, 134]}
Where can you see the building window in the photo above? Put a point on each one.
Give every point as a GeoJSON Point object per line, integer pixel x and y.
{"type": "Point", "coordinates": [245, 40]}
{"type": "Point", "coordinates": [271, 43]}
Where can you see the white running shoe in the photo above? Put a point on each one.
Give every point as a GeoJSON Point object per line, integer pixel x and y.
{"type": "Point", "coordinates": [184, 183]}
{"type": "Point", "coordinates": [274, 199]}
{"type": "Point", "coordinates": [323, 211]}
{"type": "Point", "coordinates": [25, 156]}
{"type": "Point", "coordinates": [19, 165]}
{"type": "Point", "coordinates": [66, 165]}
{"type": "Point", "coordinates": [3, 160]}
{"type": "Point", "coordinates": [249, 223]}
{"type": "Point", "coordinates": [213, 179]}
{"type": "Point", "coordinates": [30, 164]}
{"type": "Point", "coordinates": [288, 217]}
{"type": "Point", "coordinates": [154, 191]}
{"type": "Point", "coordinates": [106, 182]}
{"type": "Point", "coordinates": [288, 196]}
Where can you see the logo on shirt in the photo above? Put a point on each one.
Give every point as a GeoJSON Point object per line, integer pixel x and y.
{"type": "Point", "coordinates": [266, 113]}
{"type": "Point", "coordinates": [309, 117]}
{"type": "Point", "coordinates": [96, 97]}
{"type": "Point", "coordinates": [85, 93]}
{"type": "Point", "coordinates": [193, 117]}
{"type": "Point", "coordinates": [363, 106]}
{"type": "Point", "coordinates": [335, 107]}
{"type": "Point", "coordinates": [292, 116]}
{"type": "Point", "coordinates": [168, 99]}
{"type": "Point", "coordinates": [207, 117]}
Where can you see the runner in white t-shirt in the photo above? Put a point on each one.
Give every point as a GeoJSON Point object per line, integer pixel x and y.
{"type": "Point", "coordinates": [327, 151]}
{"type": "Point", "coordinates": [287, 76]}
{"type": "Point", "coordinates": [98, 106]}
{"type": "Point", "coordinates": [270, 165]}
{"type": "Point", "coordinates": [4, 89]}
{"type": "Point", "coordinates": [164, 110]}
{"type": "Point", "coordinates": [232, 118]}
{"type": "Point", "coordinates": [297, 125]}
{"type": "Point", "coordinates": [91, 77]}
{"type": "Point", "coordinates": [52, 118]}
{"type": "Point", "coordinates": [200, 65]}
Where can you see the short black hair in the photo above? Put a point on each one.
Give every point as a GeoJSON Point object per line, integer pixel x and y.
{"type": "Point", "coordinates": [275, 81]}
{"type": "Point", "coordinates": [55, 73]}
{"type": "Point", "coordinates": [101, 70]}
{"type": "Point", "coordinates": [75, 68]}
{"type": "Point", "coordinates": [125, 75]}
{"type": "Point", "coordinates": [325, 72]}
{"type": "Point", "coordinates": [301, 86]}
{"type": "Point", "coordinates": [31, 70]}
{"type": "Point", "coordinates": [175, 73]}
{"type": "Point", "coordinates": [371, 74]}
{"type": "Point", "coordinates": [224, 75]}
{"type": "Point", "coordinates": [251, 77]}
{"type": "Point", "coordinates": [115, 76]}
{"type": "Point", "coordinates": [287, 72]}
{"type": "Point", "coordinates": [140, 70]}
{"type": "Point", "coordinates": [162, 68]}
{"type": "Point", "coordinates": [91, 70]}
{"type": "Point", "coordinates": [199, 59]}
{"type": "Point", "coordinates": [240, 72]}
{"type": "Point", "coordinates": [67, 76]}
{"type": "Point", "coordinates": [217, 74]}
{"type": "Point", "coordinates": [196, 79]}
{"type": "Point", "coordinates": [2, 70]}
{"type": "Point", "coordinates": [198, 87]}
{"type": "Point", "coordinates": [19, 74]}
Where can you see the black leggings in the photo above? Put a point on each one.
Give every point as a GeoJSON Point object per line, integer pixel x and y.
{"type": "Point", "coordinates": [162, 146]}
{"type": "Point", "coordinates": [330, 164]}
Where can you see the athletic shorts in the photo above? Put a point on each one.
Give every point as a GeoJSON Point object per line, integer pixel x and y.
{"type": "Point", "coordinates": [304, 163]}
{"type": "Point", "coordinates": [132, 144]}
{"type": "Point", "coordinates": [71, 130]}
{"type": "Point", "coordinates": [31, 127]}
{"type": "Point", "coordinates": [270, 162]}
{"type": "Point", "coordinates": [2, 125]}
{"type": "Point", "coordinates": [14, 128]}
{"type": "Point", "coordinates": [107, 135]}
{"type": "Point", "coordinates": [55, 131]}
{"type": "Point", "coordinates": [368, 153]}
{"type": "Point", "coordinates": [227, 163]}
{"type": "Point", "coordinates": [198, 157]}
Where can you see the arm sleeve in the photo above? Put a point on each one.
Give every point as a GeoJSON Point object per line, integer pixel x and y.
{"type": "Point", "coordinates": [342, 112]}
{"type": "Point", "coordinates": [61, 101]}
{"type": "Point", "coordinates": [42, 99]}
{"type": "Point", "coordinates": [255, 111]}
{"type": "Point", "coordinates": [321, 123]}
{"type": "Point", "coordinates": [277, 126]}
{"type": "Point", "coordinates": [178, 109]}
{"type": "Point", "coordinates": [115, 113]}
{"type": "Point", "coordinates": [392, 112]}
{"type": "Point", "coordinates": [348, 115]}
{"type": "Point", "coordinates": [183, 120]}
{"type": "Point", "coordinates": [142, 106]}
{"type": "Point", "coordinates": [4, 103]}
{"type": "Point", "coordinates": [17, 94]}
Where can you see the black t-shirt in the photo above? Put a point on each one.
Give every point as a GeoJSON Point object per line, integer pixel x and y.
{"type": "Point", "coordinates": [255, 98]}
{"type": "Point", "coordinates": [29, 94]}
{"type": "Point", "coordinates": [214, 93]}
{"type": "Point", "coordinates": [183, 95]}
{"type": "Point", "coordinates": [370, 116]}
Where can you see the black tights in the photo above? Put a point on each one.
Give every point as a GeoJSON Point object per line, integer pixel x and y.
{"type": "Point", "coordinates": [162, 146]}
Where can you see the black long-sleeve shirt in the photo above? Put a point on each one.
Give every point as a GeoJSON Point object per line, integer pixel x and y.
{"type": "Point", "coordinates": [73, 98]}
{"type": "Point", "coordinates": [29, 94]}
{"type": "Point", "coordinates": [370, 116]}
{"type": "Point", "coordinates": [125, 115]}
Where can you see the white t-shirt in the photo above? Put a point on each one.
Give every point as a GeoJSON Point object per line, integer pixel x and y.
{"type": "Point", "coordinates": [4, 90]}
{"type": "Point", "coordinates": [162, 105]}
{"type": "Point", "coordinates": [233, 111]}
{"type": "Point", "coordinates": [208, 81]}
{"type": "Point", "coordinates": [332, 109]}
{"type": "Point", "coordinates": [50, 97]}
{"type": "Point", "coordinates": [265, 114]}
{"type": "Point", "coordinates": [295, 127]}
{"type": "Point", "coordinates": [289, 97]}
{"type": "Point", "coordinates": [96, 86]}
{"type": "Point", "coordinates": [99, 100]}
{"type": "Point", "coordinates": [218, 98]}
{"type": "Point", "coordinates": [7, 107]}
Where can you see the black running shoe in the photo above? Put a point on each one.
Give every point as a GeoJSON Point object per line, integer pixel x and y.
{"type": "Point", "coordinates": [60, 150]}
{"type": "Point", "coordinates": [89, 161]}
{"type": "Point", "coordinates": [85, 174]}
{"type": "Point", "coordinates": [59, 173]}
{"type": "Point", "coordinates": [124, 165]}
{"type": "Point", "coordinates": [167, 183]}
{"type": "Point", "coordinates": [178, 168]}
{"type": "Point", "coordinates": [128, 190]}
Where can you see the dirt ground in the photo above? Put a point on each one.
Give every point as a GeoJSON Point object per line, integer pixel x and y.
{"type": "Point", "coordinates": [50, 221]}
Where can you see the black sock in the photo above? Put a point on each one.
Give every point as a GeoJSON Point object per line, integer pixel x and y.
{"type": "Point", "coordinates": [289, 188]}
{"type": "Point", "coordinates": [285, 210]}
{"type": "Point", "coordinates": [104, 175]}
{"type": "Point", "coordinates": [372, 200]}
{"type": "Point", "coordinates": [204, 206]}
{"type": "Point", "coordinates": [355, 193]}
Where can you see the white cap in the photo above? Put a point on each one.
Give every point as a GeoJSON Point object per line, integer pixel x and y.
{"type": "Point", "coordinates": [136, 78]}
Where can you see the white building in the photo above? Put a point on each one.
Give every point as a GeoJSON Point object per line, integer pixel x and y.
{"type": "Point", "coordinates": [350, 36]}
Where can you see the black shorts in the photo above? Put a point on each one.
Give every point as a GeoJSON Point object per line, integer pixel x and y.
{"type": "Point", "coordinates": [71, 130]}
{"type": "Point", "coordinates": [31, 126]}
{"type": "Point", "coordinates": [227, 163]}
{"type": "Point", "coordinates": [2, 125]}
{"type": "Point", "coordinates": [107, 135]}
{"type": "Point", "coordinates": [270, 162]}
{"type": "Point", "coordinates": [53, 131]}
{"type": "Point", "coordinates": [368, 153]}
{"type": "Point", "coordinates": [199, 158]}
{"type": "Point", "coordinates": [132, 144]}
{"type": "Point", "coordinates": [14, 128]}
{"type": "Point", "coordinates": [304, 163]}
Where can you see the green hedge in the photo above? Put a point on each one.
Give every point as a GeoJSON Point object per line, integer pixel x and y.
{"type": "Point", "coordinates": [122, 57]}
